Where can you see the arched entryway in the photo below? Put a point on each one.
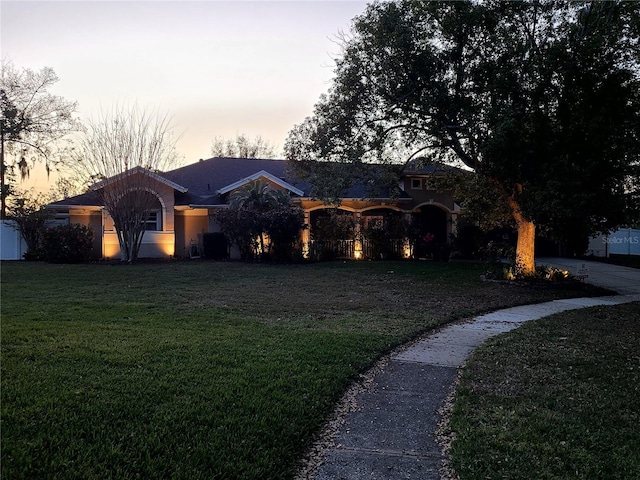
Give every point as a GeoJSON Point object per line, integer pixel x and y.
{"type": "Point", "coordinates": [384, 233]}
{"type": "Point", "coordinates": [148, 207]}
{"type": "Point", "coordinates": [431, 231]}
{"type": "Point", "coordinates": [332, 233]}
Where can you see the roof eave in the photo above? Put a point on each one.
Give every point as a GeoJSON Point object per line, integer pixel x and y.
{"type": "Point", "coordinates": [155, 176]}
{"type": "Point", "coordinates": [62, 206]}
{"type": "Point", "coordinates": [256, 176]}
{"type": "Point", "coordinates": [220, 205]}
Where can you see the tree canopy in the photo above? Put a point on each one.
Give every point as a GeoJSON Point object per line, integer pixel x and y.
{"type": "Point", "coordinates": [539, 98]}
{"type": "Point", "coordinates": [32, 123]}
{"type": "Point", "coordinates": [242, 147]}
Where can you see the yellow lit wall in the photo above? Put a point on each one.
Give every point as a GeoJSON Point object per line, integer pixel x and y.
{"type": "Point", "coordinates": [189, 225]}
{"type": "Point", "coordinates": [154, 245]}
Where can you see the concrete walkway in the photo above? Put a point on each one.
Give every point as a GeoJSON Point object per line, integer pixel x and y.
{"type": "Point", "coordinates": [391, 435]}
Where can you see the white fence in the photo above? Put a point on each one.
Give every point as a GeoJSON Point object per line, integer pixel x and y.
{"type": "Point", "coordinates": [12, 246]}
{"type": "Point", "coordinates": [625, 241]}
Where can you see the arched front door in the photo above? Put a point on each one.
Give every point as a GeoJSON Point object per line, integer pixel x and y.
{"type": "Point", "coordinates": [430, 224]}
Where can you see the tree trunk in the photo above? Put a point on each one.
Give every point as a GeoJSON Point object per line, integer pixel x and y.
{"type": "Point", "coordinates": [3, 193]}
{"type": "Point", "coordinates": [525, 248]}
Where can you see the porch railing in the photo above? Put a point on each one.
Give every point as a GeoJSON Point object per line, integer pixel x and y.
{"type": "Point", "coordinates": [331, 249]}
{"type": "Point", "coordinates": [346, 249]}
{"type": "Point", "coordinates": [390, 249]}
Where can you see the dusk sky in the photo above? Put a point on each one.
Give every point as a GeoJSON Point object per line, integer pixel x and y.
{"type": "Point", "coordinates": [219, 68]}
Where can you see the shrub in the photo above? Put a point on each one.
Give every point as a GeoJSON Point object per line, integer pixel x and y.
{"type": "Point", "coordinates": [29, 215]}
{"type": "Point", "coordinates": [385, 237]}
{"type": "Point", "coordinates": [215, 245]}
{"type": "Point", "coordinates": [468, 242]}
{"type": "Point", "coordinates": [332, 236]}
{"type": "Point", "coordinates": [514, 271]}
{"type": "Point", "coordinates": [283, 225]}
{"type": "Point", "coordinates": [263, 231]}
{"type": "Point", "coordinates": [67, 244]}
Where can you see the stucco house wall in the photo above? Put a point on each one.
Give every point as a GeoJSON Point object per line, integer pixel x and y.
{"type": "Point", "coordinates": [155, 244]}
{"type": "Point", "coordinates": [190, 225]}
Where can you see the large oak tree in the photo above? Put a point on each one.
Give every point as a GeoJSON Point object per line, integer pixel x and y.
{"type": "Point", "coordinates": [538, 98]}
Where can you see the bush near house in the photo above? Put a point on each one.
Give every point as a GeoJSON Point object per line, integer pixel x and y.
{"type": "Point", "coordinates": [332, 236]}
{"type": "Point", "coordinates": [385, 238]}
{"type": "Point", "coordinates": [263, 234]}
{"type": "Point", "coordinates": [262, 222]}
{"type": "Point", "coordinates": [215, 245]}
{"type": "Point", "coordinates": [283, 226]}
{"type": "Point", "coordinates": [67, 244]}
{"type": "Point", "coordinates": [26, 210]}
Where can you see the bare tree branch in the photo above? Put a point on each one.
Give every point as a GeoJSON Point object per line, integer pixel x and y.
{"type": "Point", "coordinates": [124, 149]}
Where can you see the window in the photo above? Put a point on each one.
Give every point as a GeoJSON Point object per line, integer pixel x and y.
{"type": "Point", "coordinates": [416, 184]}
{"type": "Point", "coordinates": [153, 222]}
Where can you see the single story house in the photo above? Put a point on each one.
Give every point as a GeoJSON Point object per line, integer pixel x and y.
{"type": "Point", "coordinates": [188, 197]}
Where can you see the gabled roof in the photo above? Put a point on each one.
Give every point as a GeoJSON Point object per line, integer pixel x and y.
{"type": "Point", "coordinates": [206, 177]}
{"type": "Point", "coordinates": [141, 171]}
{"type": "Point", "coordinates": [261, 174]}
{"type": "Point", "coordinates": [206, 182]}
{"type": "Point", "coordinates": [89, 199]}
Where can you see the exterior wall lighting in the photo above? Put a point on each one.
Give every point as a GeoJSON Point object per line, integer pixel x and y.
{"type": "Point", "coordinates": [357, 250]}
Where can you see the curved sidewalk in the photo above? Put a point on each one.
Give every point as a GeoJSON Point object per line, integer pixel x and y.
{"type": "Point", "coordinates": [392, 433]}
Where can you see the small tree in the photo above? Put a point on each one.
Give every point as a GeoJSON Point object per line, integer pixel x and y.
{"type": "Point", "coordinates": [242, 147]}
{"type": "Point", "coordinates": [237, 225]}
{"type": "Point", "coordinates": [124, 149]}
{"type": "Point", "coordinates": [255, 199]}
{"type": "Point", "coordinates": [284, 223]}
{"type": "Point", "coordinates": [27, 211]}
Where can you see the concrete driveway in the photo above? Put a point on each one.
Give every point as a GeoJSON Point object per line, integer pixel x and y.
{"type": "Point", "coordinates": [624, 280]}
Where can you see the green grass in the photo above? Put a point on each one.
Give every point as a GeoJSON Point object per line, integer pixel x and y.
{"type": "Point", "coordinates": [558, 398]}
{"type": "Point", "coordinates": [201, 369]}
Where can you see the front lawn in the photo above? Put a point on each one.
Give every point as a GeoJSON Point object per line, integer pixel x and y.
{"type": "Point", "coordinates": [201, 369]}
{"type": "Point", "coordinates": [558, 398]}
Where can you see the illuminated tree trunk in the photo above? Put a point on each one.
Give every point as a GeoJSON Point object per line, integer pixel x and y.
{"type": "Point", "coordinates": [525, 248]}
{"type": "Point", "coordinates": [525, 256]}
